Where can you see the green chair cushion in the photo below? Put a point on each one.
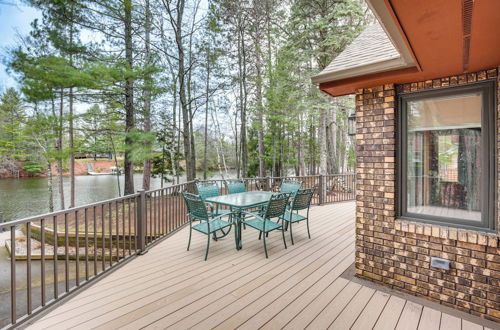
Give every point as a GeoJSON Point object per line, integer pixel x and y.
{"type": "Point", "coordinates": [258, 223]}
{"type": "Point", "coordinates": [216, 224]}
{"type": "Point", "coordinates": [295, 217]}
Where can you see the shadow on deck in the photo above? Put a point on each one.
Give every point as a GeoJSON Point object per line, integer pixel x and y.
{"type": "Point", "coordinates": [299, 287]}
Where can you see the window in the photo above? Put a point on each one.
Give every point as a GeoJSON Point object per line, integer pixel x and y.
{"type": "Point", "coordinates": [447, 156]}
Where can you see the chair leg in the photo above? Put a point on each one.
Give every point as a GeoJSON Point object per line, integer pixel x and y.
{"type": "Point", "coordinates": [190, 231]}
{"type": "Point", "coordinates": [291, 235]}
{"type": "Point", "coordinates": [208, 245]}
{"type": "Point", "coordinates": [283, 234]}
{"type": "Point", "coordinates": [260, 235]}
{"type": "Point", "coordinates": [265, 247]}
{"type": "Point", "coordinates": [308, 233]}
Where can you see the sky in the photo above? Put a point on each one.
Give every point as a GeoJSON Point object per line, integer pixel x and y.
{"type": "Point", "coordinates": [15, 19]}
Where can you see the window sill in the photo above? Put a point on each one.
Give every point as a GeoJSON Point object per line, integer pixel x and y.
{"type": "Point", "coordinates": [445, 232]}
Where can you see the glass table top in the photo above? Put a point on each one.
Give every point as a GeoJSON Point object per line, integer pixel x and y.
{"type": "Point", "coordinates": [242, 200]}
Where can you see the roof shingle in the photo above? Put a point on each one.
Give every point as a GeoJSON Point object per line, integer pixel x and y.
{"type": "Point", "coordinates": [370, 47]}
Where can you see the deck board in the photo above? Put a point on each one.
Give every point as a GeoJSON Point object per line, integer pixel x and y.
{"type": "Point", "coordinates": [372, 311]}
{"type": "Point", "coordinates": [296, 288]}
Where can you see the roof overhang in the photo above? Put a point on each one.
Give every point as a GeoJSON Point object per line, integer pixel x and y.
{"type": "Point", "coordinates": [389, 65]}
{"type": "Point", "coordinates": [435, 39]}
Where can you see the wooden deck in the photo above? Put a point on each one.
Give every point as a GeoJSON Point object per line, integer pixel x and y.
{"type": "Point", "coordinates": [299, 287]}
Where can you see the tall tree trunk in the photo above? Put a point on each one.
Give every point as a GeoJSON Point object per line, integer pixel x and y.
{"type": "Point", "coordinates": [50, 185]}
{"type": "Point", "coordinates": [116, 165]}
{"type": "Point", "coordinates": [243, 137]}
{"type": "Point", "coordinates": [236, 145]}
{"type": "Point", "coordinates": [181, 75]}
{"type": "Point", "coordinates": [241, 92]}
{"type": "Point", "coordinates": [205, 142]}
{"type": "Point", "coordinates": [60, 151]}
{"type": "Point", "coordinates": [260, 115]}
{"type": "Point", "coordinates": [178, 144]}
{"type": "Point", "coordinates": [174, 159]}
{"type": "Point", "coordinates": [322, 142]}
{"type": "Point", "coordinates": [332, 152]}
{"type": "Point", "coordinates": [220, 148]}
{"type": "Point", "coordinates": [72, 151]}
{"type": "Point", "coordinates": [71, 133]}
{"type": "Point", "coordinates": [148, 82]}
{"type": "Point", "coordinates": [129, 100]}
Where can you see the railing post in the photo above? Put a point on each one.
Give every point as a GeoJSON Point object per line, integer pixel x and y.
{"type": "Point", "coordinates": [321, 190]}
{"type": "Point", "coordinates": [268, 183]}
{"type": "Point", "coordinates": [141, 222]}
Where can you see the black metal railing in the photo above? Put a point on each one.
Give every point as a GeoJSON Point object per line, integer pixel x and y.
{"type": "Point", "coordinates": [55, 254]}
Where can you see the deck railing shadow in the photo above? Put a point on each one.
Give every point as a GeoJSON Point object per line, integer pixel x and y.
{"type": "Point", "coordinates": [55, 254]}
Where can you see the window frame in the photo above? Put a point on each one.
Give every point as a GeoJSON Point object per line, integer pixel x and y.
{"type": "Point", "coordinates": [489, 181]}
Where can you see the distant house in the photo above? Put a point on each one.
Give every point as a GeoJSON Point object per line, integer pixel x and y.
{"type": "Point", "coordinates": [427, 99]}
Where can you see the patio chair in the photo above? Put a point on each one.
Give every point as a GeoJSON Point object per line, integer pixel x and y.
{"type": "Point", "coordinates": [301, 201]}
{"type": "Point", "coordinates": [275, 208]}
{"type": "Point", "coordinates": [198, 211]}
{"type": "Point", "coordinates": [235, 186]}
{"type": "Point", "coordinates": [207, 189]}
{"type": "Point", "coordinates": [290, 186]}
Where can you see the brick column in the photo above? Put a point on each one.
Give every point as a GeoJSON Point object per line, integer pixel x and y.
{"type": "Point", "coordinates": [375, 205]}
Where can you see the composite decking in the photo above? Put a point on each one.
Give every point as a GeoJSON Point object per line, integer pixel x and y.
{"type": "Point", "coordinates": [299, 287]}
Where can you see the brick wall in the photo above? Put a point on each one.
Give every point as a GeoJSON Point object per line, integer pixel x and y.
{"type": "Point", "coordinates": [397, 253]}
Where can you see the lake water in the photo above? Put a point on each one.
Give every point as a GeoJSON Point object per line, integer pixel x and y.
{"type": "Point", "coordinates": [20, 198]}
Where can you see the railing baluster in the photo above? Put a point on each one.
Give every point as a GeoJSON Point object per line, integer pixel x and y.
{"type": "Point", "coordinates": [103, 238]}
{"type": "Point", "coordinates": [66, 250]}
{"type": "Point", "coordinates": [56, 247]}
{"type": "Point", "coordinates": [150, 219]}
{"type": "Point", "coordinates": [29, 300]}
{"type": "Point", "coordinates": [95, 240]}
{"type": "Point", "coordinates": [158, 202]}
{"type": "Point", "coordinates": [157, 217]}
{"type": "Point", "coordinates": [86, 219]}
{"type": "Point", "coordinates": [77, 248]}
{"type": "Point", "coordinates": [170, 208]}
{"type": "Point", "coordinates": [110, 213]}
{"type": "Point", "coordinates": [42, 262]}
{"type": "Point", "coordinates": [117, 241]}
{"type": "Point", "coordinates": [147, 220]}
{"type": "Point", "coordinates": [163, 213]}
{"type": "Point", "coordinates": [13, 288]}
{"type": "Point", "coordinates": [153, 211]}
{"type": "Point", "coordinates": [129, 227]}
{"type": "Point", "coordinates": [153, 201]}
{"type": "Point", "coordinates": [141, 222]}
{"type": "Point", "coordinates": [136, 221]}
{"type": "Point", "coordinates": [153, 216]}
{"type": "Point", "coordinates": [175, 209]}
{"type": "Point", "coordinates": [123, 228]}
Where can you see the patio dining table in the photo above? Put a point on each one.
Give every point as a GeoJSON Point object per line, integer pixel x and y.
{"type": "Point", "coordinates": [238, 203]}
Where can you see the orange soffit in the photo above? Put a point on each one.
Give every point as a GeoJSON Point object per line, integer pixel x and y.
{"type": "Point", "coordinates": [434, 39]}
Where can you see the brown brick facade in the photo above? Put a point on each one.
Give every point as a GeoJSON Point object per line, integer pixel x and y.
{"type": "Point", "coordinates": [397, 253]}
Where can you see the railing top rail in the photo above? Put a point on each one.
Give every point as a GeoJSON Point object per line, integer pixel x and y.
{"type": "Point", "coordinates": [60, 212]}
{"type": "Point", "coordinates": [171, 187]}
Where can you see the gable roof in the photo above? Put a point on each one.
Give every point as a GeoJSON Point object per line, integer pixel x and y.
{"type": "Point", "coordinates": [372, 51]}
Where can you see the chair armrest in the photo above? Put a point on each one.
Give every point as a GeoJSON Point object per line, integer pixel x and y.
{"type": "Point", "coordinates": [222, 215]}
